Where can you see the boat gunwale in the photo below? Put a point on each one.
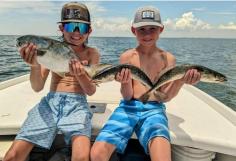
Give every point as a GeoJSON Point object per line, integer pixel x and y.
{"type": "Point", "coordinates": [13, 81]}
{"type": "Point", "coordinates": [218, 106]}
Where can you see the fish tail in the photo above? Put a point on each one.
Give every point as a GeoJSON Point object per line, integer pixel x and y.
{"type": "Point", "coordinates": [95, 82]}
{"type": "Point", "coordinates": [144, 98]}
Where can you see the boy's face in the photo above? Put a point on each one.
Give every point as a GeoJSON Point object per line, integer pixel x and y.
{"type": "Point", "coordinates": [147, 34]}
{"type": "Point", "coordinates": [75, 33]}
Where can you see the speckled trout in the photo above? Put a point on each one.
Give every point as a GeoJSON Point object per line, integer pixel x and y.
{"type": "Point", "coordinates": [55, 55]}
{"type": "Point", "coordinates": [207, 75]}
{"type": "Point", "coordinates": [109, 73]}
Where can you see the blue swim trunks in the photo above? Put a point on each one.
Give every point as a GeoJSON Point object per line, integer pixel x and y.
{"type": "Point", "coordinates": [63, 112]}
{"type": "Point", "coordinates": [146, 120]}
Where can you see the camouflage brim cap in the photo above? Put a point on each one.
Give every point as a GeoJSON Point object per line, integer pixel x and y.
{"type": "Point", "coordinates": [75, 12]}
{"type": "Point", "coordinates": [147, 16]}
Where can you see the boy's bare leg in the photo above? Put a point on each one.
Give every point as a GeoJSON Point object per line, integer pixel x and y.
{"type": "Point", "coordinates": [160, 149]}
{"type": "Point", "coordinates": [80, 148]}
{"type": "Point", "coordinates": [18, 151]}
{"type": "Point", "coordinates": [101, 151]}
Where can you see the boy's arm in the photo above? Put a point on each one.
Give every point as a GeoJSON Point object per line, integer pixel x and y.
{"type": "Point", "coordinates": [172, 89]}
{"type": "Point", "coordinates": [38, 74]}
{"type": "Point", "coordinates": [77, 69]}
{"type": "Point", "coordinates": [124, 77]}
{"type": "Point", "coordinates": [38, 77]}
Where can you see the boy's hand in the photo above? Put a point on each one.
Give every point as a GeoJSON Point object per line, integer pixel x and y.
{"type": "Point", "coordinates": [124, 76]}
{"type": "Point", "coordinates": [29, 53]}
{"type": "Point", "coordinates": [192, 77]}
{"type": "Point", "coordinates": [77, 68]}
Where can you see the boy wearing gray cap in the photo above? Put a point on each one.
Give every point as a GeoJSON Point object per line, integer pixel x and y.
{"type": "Point", "coordinates": [65, 107]}
{"type": "Point", "coordinates": [149, 120]}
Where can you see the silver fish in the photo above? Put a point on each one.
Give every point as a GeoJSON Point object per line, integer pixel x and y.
{"type": "Point", "coordinates": [207, 75]}
{"type": "Point", "coordinates": [55, 55]}
{"type": "Point", "coordinates": [109, 73]}
{"type": "Point", "coordinates": [52, 54]}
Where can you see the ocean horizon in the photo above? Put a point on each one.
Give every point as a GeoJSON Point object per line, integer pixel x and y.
{"type": "Point", "coordinates": [166, 37]}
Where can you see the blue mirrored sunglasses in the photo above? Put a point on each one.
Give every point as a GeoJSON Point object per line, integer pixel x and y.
{"type": "Point", "coordinates": [83, 28]}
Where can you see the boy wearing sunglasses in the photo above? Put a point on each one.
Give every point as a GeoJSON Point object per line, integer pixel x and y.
{"type": "Point", "coordinates": [147, 120]}
{"type": "Point", "coordinates": [65, 108]}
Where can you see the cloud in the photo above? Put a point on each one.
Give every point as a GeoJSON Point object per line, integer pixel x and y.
{"type": "Point", "coordinates": [190, 26]}
{"type": "Point", "coordinates": [112, 24]}
{"type": "Point", "coordinates": [26, 6]}
{"type": "Point", "coordinates": [187, 22]}
{"type": "Point", "coordinates": [229, 26]}
{"type": "Point", "coordinates": [94, 7]}
{"type": "Point", "coordinates": [107, 24]}
{"type": "Point", "coordinates": [223, 13]}
{"type": "Point", "coordinates": [199, 9]}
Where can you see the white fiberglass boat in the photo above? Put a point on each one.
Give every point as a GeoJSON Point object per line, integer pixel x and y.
{"type": "Point", "coordinates": [201, 128]}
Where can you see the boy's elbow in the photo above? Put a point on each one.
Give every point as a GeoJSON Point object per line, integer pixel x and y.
{"type": "Point", "coordinates": [127, 96]}
{"type": "Point", "coordinates": [169, 97]}
{"type": "Point", "coordinates": [91, 92]}
{"type": "Point", "coordinates": [37, 88]}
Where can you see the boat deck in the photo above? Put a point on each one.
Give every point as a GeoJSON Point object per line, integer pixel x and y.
{"type": "Point", "coordinates": [195, 119]}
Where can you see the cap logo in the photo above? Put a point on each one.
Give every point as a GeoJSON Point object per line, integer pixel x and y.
{"type": "Point", "coordinates": [72, 13]}
{"type": "Point", "coordinates": [147, 15]}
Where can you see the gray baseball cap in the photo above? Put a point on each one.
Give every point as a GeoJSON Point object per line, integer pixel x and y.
{"type": "Point", "coordinates": [147, 16]}
{"type": "Point", "coordinates": [75, 12]}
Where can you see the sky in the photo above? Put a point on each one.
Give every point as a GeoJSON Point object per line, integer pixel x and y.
{"type": "Point", "coordinates": [194, 19]}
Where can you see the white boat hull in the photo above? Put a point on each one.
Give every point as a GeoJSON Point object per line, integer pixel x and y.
{"type": "Point", "coordinates": [200, 126]}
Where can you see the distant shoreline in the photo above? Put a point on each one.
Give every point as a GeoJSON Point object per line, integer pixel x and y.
{"type": "Point", "coordinates": [134, 37]}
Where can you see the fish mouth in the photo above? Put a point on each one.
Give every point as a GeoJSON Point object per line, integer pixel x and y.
{"type": "Point", "coordinates": [223, 79]}
{"type": "Point", "coordinates": [18, 43]}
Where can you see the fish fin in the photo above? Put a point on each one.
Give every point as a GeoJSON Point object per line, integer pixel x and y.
{"type": "Point", "coordinates": [61, 74]}
{"type": "Point", "coordinates": [68, 43]}
{"type": "Point", "coordinates": [41, 52]}
{"type": "Point", "coordinates": [145, 85]}
{"type": "Point", "coordinates": [74, 56]}
{"type": "Point", "coordinates": [93, 69]}
{"type": "Point", "coordinates": [103, 66]}
{"type": "Point", "coordinates": [144, 98]}
{"type": "Point", "coordinates": [165, 70]}
{"type": "Point", "coordinates": [99, 67]}
{"type": "Point", "coordinates": [95, 82]}
{"type": "Point", "coordinates": [160, 95]}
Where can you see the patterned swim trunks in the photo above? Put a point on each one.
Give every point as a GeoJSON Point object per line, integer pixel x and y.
{"type": "Point", "coordinates": [146, 120]}
{"type": "Point", "coordinates": [63, 112]}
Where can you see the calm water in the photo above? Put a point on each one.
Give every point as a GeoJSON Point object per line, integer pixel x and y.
{"type": "Point", "coordinates": [218, 54]}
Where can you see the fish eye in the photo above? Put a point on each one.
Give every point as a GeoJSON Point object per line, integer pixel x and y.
{"type": "Point", "coordinates": [18, 44]}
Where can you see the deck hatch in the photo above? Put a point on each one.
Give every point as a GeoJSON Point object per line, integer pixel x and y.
{"type": "Point", "coordinates": [97, 107]}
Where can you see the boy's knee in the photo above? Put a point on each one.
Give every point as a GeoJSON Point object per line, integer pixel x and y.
{"type": "Point", "coordinates": [164, 159]}
{"type": "Point", "coordinates": [95, 155]}
{"type": "Point", "coordinates": [10, 156]}
{"type": "Point", "coordinates": [101, 151]}
{"type": "Point", "coordinates": [80, 157]}
{"type": "Point", "coordinates": [98, 154]}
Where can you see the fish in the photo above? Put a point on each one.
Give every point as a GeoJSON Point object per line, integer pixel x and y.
{"type": "Point", "coordinates": [52, 54]}
{"type": "Point", "coordinates": [177, 72]}
{"type": "Point", "coordinates": [109, 73]}
{"type": "Point", "coordinates": [55, 55]}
